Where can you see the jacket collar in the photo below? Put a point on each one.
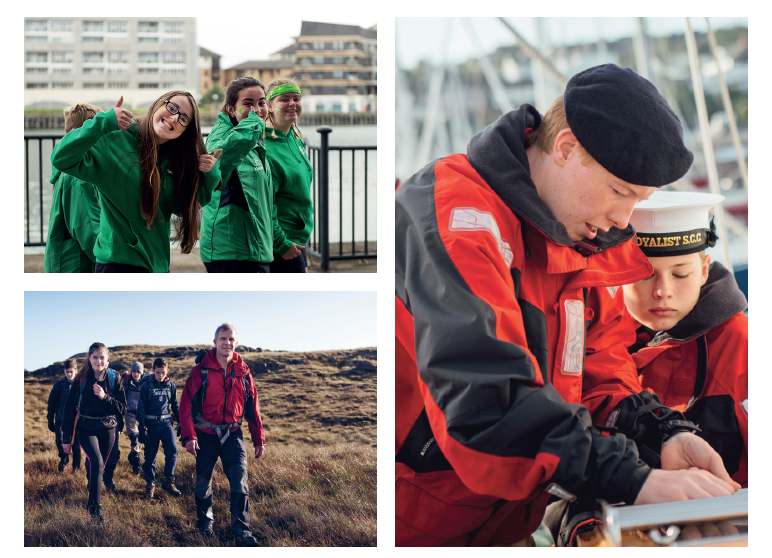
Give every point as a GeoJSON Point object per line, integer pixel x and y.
{"type": "Point", "coordinates": [720, 299]}
{"type": "Point", "coordinates": [210, 361]}
{"type": "Point", "coordinates": [498, 154]}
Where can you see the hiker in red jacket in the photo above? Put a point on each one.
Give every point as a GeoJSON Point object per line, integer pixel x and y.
{"type": "Point", "coordinates": [218, 395]}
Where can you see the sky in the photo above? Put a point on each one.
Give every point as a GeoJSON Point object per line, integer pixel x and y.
{"type": "Point", "coordinates": [215, 33]}
{"type": "Point", "coordinates": [60, 324]}
{"type": "Point", "coordinates": [422, 38]}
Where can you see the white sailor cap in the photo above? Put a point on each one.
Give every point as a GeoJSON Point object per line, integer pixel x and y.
{"type": "Point", "coordinates": [675, 223]}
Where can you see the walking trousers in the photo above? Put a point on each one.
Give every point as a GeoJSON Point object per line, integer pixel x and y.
{"type": "Point", "coordinates": [233, 455]}
{"type": "Point", "coordinates": [163, 433]}
{"type": "Point", "coordinates": [97, 447]}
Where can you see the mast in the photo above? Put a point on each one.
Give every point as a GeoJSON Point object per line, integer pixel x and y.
{"type": "Point", "coordinates": [707, 140]}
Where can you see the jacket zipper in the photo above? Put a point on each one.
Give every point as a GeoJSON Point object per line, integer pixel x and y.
{"type": "Point", "coordinates": [426, 447]}
{"type": "Point", "coordinates": [227, 391]}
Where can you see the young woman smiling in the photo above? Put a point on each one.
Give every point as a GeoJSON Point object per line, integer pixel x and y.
{"type": "Point", "coordinates": [237, 226]}
{"type": "Point", "coordinates": [145, 172]}
{"type": "Point", "coordinates": [293, 174]}
{"type": "Point", "coordinates": [97, 402]}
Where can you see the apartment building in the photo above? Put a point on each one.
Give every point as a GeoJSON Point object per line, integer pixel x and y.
{"type": "Point", "coordinates": [263, 70]}
{"type": "Point", "coordinates": [96, 60]}
{"type": "Point", "coordinates": [336, 66]}
{"type": "Point", "coordinates": [209, 73]}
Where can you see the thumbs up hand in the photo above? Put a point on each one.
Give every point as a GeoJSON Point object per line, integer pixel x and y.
{"type": "Point", "coordinates": [125, 117]}
{"type": "Point", "coordinates": [206, 162]}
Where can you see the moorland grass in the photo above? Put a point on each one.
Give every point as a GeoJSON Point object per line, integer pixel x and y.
{"type": "Point", "coordinates": [315, 485]}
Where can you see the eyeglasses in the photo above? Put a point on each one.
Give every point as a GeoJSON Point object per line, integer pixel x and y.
{"type": "Point", "coordinates": [174, 109]}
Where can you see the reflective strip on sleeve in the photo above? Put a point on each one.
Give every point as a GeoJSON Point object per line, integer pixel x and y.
{"type": "Point", "coordinates": [471, 219]}
{"type": "Point", "coordinates": [573, 350]}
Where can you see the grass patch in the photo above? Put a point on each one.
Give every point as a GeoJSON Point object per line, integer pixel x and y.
{"type": "Point", "coordinates": [315, 485]}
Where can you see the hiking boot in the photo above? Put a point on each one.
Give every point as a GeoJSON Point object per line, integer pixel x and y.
{"type": "Point", "coordinates": [136, 468]}
{"type": "Point", "coordinates": [149, 490]}
{"type": "Point", "coordinates": [246, 540]}
{"type": "Point", "coordinates": [168, 485]}
{"type": "Point", "coordinates": [205, 530]}
{"type": "Point", "coordinates": [96, 513]}
{"type": "Point", "coordinates": [63, 462]}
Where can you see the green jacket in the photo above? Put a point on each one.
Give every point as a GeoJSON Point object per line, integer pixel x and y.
{"type": "Point", "coordinates": [73, 226]}
{"type": "Point", "coordinates": [237, 224]}
{"type": "Point", "coordinates": [98, 152]}
{"type": "Point", "coordinates": [292, 205]}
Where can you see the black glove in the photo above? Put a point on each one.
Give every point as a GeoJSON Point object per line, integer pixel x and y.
{"type": "Point", "coordinates": [51, 426]}
{"type": "Point", "coordinates": [179, 430]}
{"type": "Point", "coordinates": [142, 435]}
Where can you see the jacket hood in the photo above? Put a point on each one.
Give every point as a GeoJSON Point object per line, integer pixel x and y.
{"type": "Point", "coordinates": [210, 361]}
{"type": "Point", "coordinates": [498, 154]}
{"type": "Point", "coordinates": [720, 299]}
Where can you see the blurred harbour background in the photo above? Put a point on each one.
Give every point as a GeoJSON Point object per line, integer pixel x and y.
{"type": "Point", "coordinates": [455, 76]}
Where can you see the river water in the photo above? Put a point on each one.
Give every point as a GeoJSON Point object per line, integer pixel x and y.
{"type": "Point", "coordinates": [39, 161]}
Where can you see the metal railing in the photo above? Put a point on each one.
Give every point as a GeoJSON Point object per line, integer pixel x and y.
{"type": "Point", "coordinates": [354, 242]}
{"type": "Point", "coordinates": [36, 169]}
{"type": "Point", "coordinates": [359, 245]}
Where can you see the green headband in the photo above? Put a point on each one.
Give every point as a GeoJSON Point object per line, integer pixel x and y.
{"type": "Point", "coordinates": [284, 88]}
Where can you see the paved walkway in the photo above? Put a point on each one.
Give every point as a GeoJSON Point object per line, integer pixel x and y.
{"type": "Point", "coordinates": [191, 263]}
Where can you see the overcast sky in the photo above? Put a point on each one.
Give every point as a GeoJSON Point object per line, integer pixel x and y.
{"type": "Point", "coordinates": [435, 39]}
{"type": "Point", "coordinates": [60, 324]}
{"type": "Point", "coordinates": [219, 34]}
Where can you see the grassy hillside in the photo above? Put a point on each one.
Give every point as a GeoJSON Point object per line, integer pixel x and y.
{"type": "Point", "coordinates": [315, 485]}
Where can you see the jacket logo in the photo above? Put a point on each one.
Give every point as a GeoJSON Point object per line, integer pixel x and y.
{"type": "Point", "coordinates": [471, 219]}
{"type": "Point", "coordinates": [612, 291]}
{"type": "Point", "coordinates": [573, 348]}
{"type": "Point", "coordinates": [258, 165]}
{"type": "Point", "coordinates": [744, 407]}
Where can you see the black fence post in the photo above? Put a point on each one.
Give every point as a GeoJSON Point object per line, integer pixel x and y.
{"type": "Point", "coordinates": [324, 211]}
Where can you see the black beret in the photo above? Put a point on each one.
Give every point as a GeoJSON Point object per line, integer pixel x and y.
{"type": "Point", "coordinates": [626, 125]}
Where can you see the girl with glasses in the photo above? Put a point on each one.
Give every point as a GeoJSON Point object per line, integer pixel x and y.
{"type": "Point", "coordinates": [145, 171]}
{"type": "Point", "coordinates": [292, 173]}
{"type": "Point", "coordinates": [237, 226]}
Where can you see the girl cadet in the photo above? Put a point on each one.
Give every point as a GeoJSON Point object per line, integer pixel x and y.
{"type": "Point", "coordinates": [145, 171]}
{"type": "Point", "coordinates": [293, 173]}
{"type": "Point", "coordinates": [73, 223]}
{"type": "Point", "coordinates": [692, 343]}
{"type": "Point", "coordinates": [92, 409]}
{"type": "Point", "coordinates": [237, 227]}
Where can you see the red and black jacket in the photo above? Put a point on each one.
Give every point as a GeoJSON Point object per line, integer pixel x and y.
{"type": "Point", "coordinates": [502, 321]}
{"type": "Point", "coordinates": [700, 367]}
{"type": "Point", "coordinates": [226, 402]}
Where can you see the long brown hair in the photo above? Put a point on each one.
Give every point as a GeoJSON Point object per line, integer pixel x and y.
{"type": "Point", "coordinates": [86, 368]}
{"type": "Point", "coordinates": [183, 153]}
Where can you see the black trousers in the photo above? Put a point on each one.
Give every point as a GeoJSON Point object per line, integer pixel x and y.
{"type": "Point", "coordinates": [97, 447]}
{"type": "Point", "coordinates": [75, 446]}
{"type": "Point", "coordinates": [233, 455]}
{"type": "Point", "coordinates": [298, 264]}
{"type": "Point", "coordinates": [236, 266]}
{"type": "Point", "coordinates": [119, 268]}
{"type": "Point", "coordinates": [112, 460]}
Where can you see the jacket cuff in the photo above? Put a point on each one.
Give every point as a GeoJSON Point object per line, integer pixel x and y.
{"type": "Point", "coordinates": [620, 474]}
{"type": "Point", "coordinates": [642, 418]}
